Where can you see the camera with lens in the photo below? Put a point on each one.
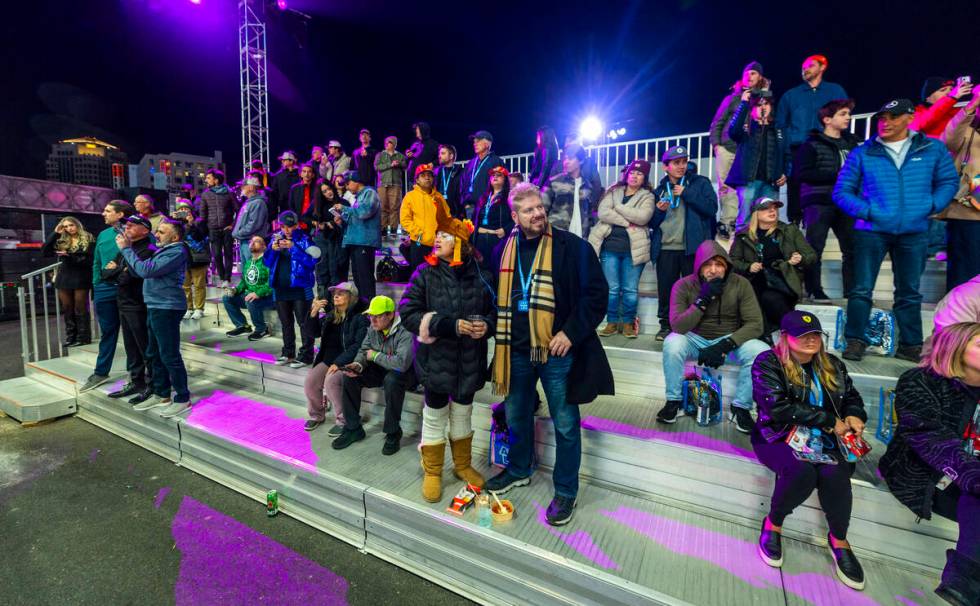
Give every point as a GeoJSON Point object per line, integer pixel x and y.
{"type": "Point", "coordinates": [757, 94]}
{"type": "Point", "coordinates": [181, 215]}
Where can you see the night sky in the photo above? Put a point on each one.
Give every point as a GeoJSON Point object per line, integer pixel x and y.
{"type": "Point", "coordinates": [162, 75]}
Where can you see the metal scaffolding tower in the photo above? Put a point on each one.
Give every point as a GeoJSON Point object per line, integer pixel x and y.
{"type": "Point", "coordinates": [254, 82]}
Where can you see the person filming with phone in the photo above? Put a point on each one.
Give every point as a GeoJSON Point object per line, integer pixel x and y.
{"type": "Point", "coordinates": [809, 432]}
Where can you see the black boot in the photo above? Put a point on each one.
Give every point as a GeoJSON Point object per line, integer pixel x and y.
{"type": "Point", "coordinates": [71, 330]}
{"type": "Point", "coordinates": [961, 580]}
{"type": "Point", "coordinates": [84, 328]}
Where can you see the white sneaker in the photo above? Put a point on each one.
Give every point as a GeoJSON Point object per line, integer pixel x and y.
{"type": "Point", "coordinates": [298, 364]}
{"type": "Point", "coordinates": [283, 360]}
{"type": "Point", "coordinates": [198, 314]}
{"type": "Point", "coordinates": [153, 402]}
{"type": "Point", "coordinates": [225, 284]}
{"type": "Point", "coordinates": [188, 314]}
{"type": "Point", "coordinates": [175, 409]}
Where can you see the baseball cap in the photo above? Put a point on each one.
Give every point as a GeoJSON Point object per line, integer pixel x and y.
{"type": "Point", "coordinates": [482, 134]}
{"type": "Point", "coordinates": [675, 152]}
{"type": "Point", "coordinates": [897, 107]}
{"type": "Point", "coordinates": [353, 175]}
{"type": "Point", "coordinates": [288, 218]}
{"type": "Point", "coordinates": [764, 202]}
{"type": "Point", "coordinates": [288, 155]}
{"type": "Point", "coordinates": [422, 168]}
{"type": "Point", "coordinates": [498, 170]}
{"type": "Point", "coordinates": [183, 203]}
{"type": "Point", "coordinates": [139, 220]}
{"type": "Point", "coordinates": [798, 323]}
{"type": "Point", "coordinates": [363, 131]}
{"type": "Point", "coordinates": [334, 143]}
{"type": "Point", "coordinates": [251, 180]}
{"type": "Point", "coordinates": [380, 305]}
{"type": "Point", "coordinates": [348, 286]}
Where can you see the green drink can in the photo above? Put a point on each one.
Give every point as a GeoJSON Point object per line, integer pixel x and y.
{"type": "Point", "coordinates": [272, 503]}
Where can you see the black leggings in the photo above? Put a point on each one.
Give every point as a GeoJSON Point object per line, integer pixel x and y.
{"type": "Point", "coordinates": [73, 300]}
{"type": "Point", "coordinates": [438, 400]}
{"type": "Point", "coordinates": [796, 480]}
{"type": "Point", "coordinates": [963, 508]}
{"type": "Point", "coordinates": [774, 305]}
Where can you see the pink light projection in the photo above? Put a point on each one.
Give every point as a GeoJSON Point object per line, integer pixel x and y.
{"type": "Point", "coordinates": [256, 426]}
{"type": "Point", "coordinates": [257, 356]}
{"type": "Point", "coordinates": [579, 540]}
{"type": "Point", "coordinates": [737, 557]}
{"type": "Point", "coordinates": [687, 438]}
{"type": "Point", "coordinates": [161, 496]}
{"type": "Point", "coordinates": [225, 562]}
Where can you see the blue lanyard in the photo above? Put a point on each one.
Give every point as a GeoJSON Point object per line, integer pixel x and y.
{"type": "Point", "coordinates": [525, 284]}
{"type": "Point", "coordinates": [445, 180]}
{"type": "Point", "coordinates": [816, 399]}
{"type": "Point", "coordinates": [674, 202]}
{"type": "Point", "coordinates": [486, 209]}
{"type": "Point", "coordinates": [476, 171]}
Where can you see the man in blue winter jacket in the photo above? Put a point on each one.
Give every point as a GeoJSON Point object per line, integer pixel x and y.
{"type": "Point", "coordinates": [891, 185]}
{"type": "Point", "coordinates": [163, 293]}
{"type": "Point", "coordinates": [291, 260]}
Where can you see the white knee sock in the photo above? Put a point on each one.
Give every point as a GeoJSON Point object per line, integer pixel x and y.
{"type": "Point", "coordinates": [460, 421]}
{"type": "Point", "coordinates": [434, 421]}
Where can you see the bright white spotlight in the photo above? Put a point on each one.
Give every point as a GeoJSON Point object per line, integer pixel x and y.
{"type": "Point", "coordinates": [621, 132]}
{"type": "Point", "coordinates": [590, 129]}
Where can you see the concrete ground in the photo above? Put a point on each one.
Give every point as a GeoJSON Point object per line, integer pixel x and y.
{"type": "Point", "coordinates": [89, 518]}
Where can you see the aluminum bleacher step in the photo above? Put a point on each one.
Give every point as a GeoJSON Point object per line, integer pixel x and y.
{"type": "Point", "coordinates": [31, 400]}
{"type": "Point", "coordinates": [621, 548]}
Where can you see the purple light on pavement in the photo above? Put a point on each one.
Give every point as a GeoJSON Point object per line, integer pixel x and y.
{"type": "Point", "coordinates": [737, 557]}
{"type": "Point", "coordinates": [579, 540]}
{"type": "Point", "coordinates": [258, 356]}
{"type": "Point", "coordinates": [161, 496]}
{"type": "Point", "coordinates": [256, 426]}
{"type": "Point", "coordinates": [225, 562]}
{"type": "Point", "coordinates": [93, 455]}
{"type": "Point", "coordinates": [193, 337]}
{"type": "Point", "coordinates": [688, 438]}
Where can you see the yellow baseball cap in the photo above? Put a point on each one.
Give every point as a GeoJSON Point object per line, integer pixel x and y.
{"type": "Point", "coordinates": [380, 305]}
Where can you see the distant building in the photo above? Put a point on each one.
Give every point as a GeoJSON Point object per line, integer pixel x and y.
{"type": "Point", "coordinates": [86, 161]}
{"type": "Point", "coordinates": [173, 171]}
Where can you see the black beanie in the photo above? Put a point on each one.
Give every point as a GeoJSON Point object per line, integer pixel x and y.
{"type": "Point", "coordinates": [754, 65]}
{"type": "Point", "coordinates": [933, 84]}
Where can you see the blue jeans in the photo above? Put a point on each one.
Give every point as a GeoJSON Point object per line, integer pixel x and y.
{"type": "Point", "coordinates": [163, 354]}
{"type": "Point", "coordinates": [256, 308]}
{"type": "Point", "coordinates": [747, 194]}
{"type": "Point", "coordinates": [908, 253]}
{"type": "Point", "coordinates": [520, 405]}
{"type": "Point", "coordinates": [679, 348]}
{"type": "Point", "coordinates": [624, 282]}
{"type": "Point", "coordinates": [243, 252]}
{"type": "Point", "coordinates": [107, 312]}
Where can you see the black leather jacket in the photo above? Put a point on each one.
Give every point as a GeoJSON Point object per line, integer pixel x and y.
{"type": "Point", "coordinates": [783, 404]}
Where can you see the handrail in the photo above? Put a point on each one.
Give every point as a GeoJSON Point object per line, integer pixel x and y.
{"type": "Point", "coordinates": [38, 272]}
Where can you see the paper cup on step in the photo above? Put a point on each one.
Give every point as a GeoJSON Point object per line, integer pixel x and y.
{"type": "Point", "coordinates": [502, 516]}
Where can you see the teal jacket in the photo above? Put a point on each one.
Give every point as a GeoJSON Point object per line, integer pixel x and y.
{"type": "Point", "coordinates": [105, 251]}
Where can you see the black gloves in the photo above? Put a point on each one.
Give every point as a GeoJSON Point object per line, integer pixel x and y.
{"type": "Point", "coordinates": [709, 292]}
{"type": "Point", "coordinates": [713, 356]}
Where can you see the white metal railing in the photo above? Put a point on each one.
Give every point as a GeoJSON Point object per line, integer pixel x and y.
{"type": "Point", "coordinates": [612, 158]}
{"type": "Point", "coordinates": [32, 300]}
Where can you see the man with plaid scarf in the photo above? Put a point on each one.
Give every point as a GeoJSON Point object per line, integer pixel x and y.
{"type": "Point", "coordinates": [551, 297]}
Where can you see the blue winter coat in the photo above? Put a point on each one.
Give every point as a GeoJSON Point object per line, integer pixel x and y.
{"type": "Point", "coordinates": [745, 166]}
{"type": "Point", "coordinates": [163, 276]}
{"type": "Point", "coordinates": [700, 208]}
{"type": "Point", "coordinates": [796, 112]}
{"type": "Point", "coordinates": [303, 257]}
{"type": "Point", "coordinates": [363, 219]}
{"type": "Point", "coordinates": [883, 198]}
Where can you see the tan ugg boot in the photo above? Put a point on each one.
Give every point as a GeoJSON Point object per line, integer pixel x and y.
{"type": "Point", "coordinates": [433, 458]}
{"type": "Point", "coordinates": [462, 461]}
{"type": "Point", "coordinates": [610, 329]}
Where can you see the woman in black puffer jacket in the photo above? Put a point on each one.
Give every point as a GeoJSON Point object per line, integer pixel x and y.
{"type": "Point", "coordinates": [932, 463]}
{"type": "Point", "coordinates": [451, 356]}
{"type": "Point", "coordinates": [804, 392]}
